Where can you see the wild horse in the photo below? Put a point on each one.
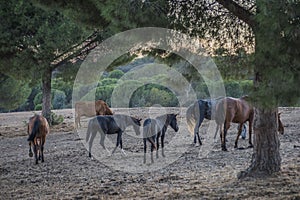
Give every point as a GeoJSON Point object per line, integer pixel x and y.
{"type": "Point", "coordinates": [114, 124]}
{"type": "Point", "coordinates": [197, 112]}
{"type": "Point", "coordinates": [37, 130]}
{"type": "Point", "coordinates": [153, 129]}
{"type": "Point", "coordinates": [237, 111]}
{"type": "Point", "coordinates": [90, 109]}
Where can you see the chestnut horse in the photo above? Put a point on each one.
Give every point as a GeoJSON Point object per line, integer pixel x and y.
{"type": "Point", "coordinates": [90, 109]}
{"type": "Point", "coordinates": [237, 111]}
{"type": "Point", "coordinates": [38, 128]}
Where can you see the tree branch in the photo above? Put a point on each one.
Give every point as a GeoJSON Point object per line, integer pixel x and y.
{"type": "Point", "coordinates": [239, 12]}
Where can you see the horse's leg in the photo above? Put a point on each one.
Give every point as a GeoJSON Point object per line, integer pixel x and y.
{"type": "Point", "coordinates": [91, 142]}
{"type": "Point", "coordinates": [118, 142]}
{"type": "Point", "coordinates": [162, 144]}
{"type": "Point", "coordinates": [196, 130]}
{"type": "Point", "coordinates": [157, 143]}
{"type": "Point", "coordinates": [223, 135]}
{"type": "Point", "coordinates": [35, 154]}
{"type": "Point", "coordinates": [250, 133]}
{"type": "Point", "coordinates": [30, 151]}
{"type": "Point", "coordinates": [102, 138]}
{"type": "Point", "coordinates": [152, 149]}
{"type": "Point", "coordinates": [238, 135]}
{"type": "Point", "coordinates": [145, 148]}
{"type": "Point", "coordinates": [42, 148]}
{"type": "Point", "coordinates": [121, 145]}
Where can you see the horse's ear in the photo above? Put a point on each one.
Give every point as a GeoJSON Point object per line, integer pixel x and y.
{"type": "Point", "coordinates": [140, 119]}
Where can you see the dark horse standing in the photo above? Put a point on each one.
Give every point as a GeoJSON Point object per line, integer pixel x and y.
{"type": "Point", "coordinates": [38, 128]}
{"type": "Point", "coordinates": [153, 129]}
{"type": "Point", "coordinates": [115, 124]}
{"type": "Point", "coordinates": [195, 114]}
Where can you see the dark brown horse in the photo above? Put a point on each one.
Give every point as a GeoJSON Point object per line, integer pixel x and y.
{"type": "Point", "coordinates": [90, 109]}
{"type": "Point", "coordinates": [38, 128]}
{"type": "Point", "coordinates": [237, 111]}
{"type": "Point", "coordinates": [153, 129]}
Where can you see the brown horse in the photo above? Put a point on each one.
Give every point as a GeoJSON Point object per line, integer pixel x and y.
{"type": "Point", "coordinates": [237, 111]}
{"type": "Point", "coordinates": [38, 128]}
{"type": "Point", "coordinates": [90, 109]}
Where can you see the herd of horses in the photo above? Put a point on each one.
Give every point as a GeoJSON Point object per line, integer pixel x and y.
{"type": "Point", "coordinates": [224, 111]}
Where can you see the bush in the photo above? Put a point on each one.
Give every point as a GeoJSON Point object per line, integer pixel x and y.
{"type": "Point", "coordinates": [151, 94]}
{"type": "Point", "coordinates": [38, 107]}
{"type": "Point", "coordinates": [57, 102]}
{"type": "Point", "coordinates": [116, 74]}
{"type": "Point", "coordinates": [233, 89]}
{"type": "Point", "coordinates": [56, 119]}
{"type": "Point", "coordinates": [58, 99]}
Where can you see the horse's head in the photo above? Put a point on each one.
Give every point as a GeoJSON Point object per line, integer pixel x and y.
{"type": "Point", "coordinates": [136, 125]}
{"type": "Point", "coordinates": [280, 125]}
{"type": "Point", "coordinates": [173, 121]}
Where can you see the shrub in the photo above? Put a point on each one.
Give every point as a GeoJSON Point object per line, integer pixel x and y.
{"type": "Point", "coordinates": [38, 107]}
{"type": "Point", "coordinates": [116, 74]}
{"type": "Point", "coordinates": [58, 99]}
{"type": "Point", "coordinates": [56, 119]}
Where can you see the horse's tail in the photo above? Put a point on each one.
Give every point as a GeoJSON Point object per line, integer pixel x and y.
{"type": "Point", "coordinates": [221, 112]}
{"type": "Point", "coordinates": [89, 130]}
{"type": "Point", "coordinates": [190, 118]}
{"type": "Point", "coordinates": [35, 129]}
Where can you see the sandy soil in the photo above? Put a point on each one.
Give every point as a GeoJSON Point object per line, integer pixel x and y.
{"type": "Point", "coordinates": [68, 172]}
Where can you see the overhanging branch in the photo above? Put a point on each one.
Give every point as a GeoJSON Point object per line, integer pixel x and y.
{"type": "Point", "coordinates": [239, 12]}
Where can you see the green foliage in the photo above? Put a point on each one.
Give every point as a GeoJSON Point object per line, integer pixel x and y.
{"type": "Point", "coordinates": [56, 119]}
{"type": "Point", "coordinates": [13, 92]}
{"type": "Point", "coordinates": [58, 99]}
{"type": "Point", "coordinates": [38, 106]}
{"type": "Point", "coordinates": [104, 93]}
{"type": "Point", "coordinates": [116, 74]}
{"type": "Point", "coordinates": [151, 94]}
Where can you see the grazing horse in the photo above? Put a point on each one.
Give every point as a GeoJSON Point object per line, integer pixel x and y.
{"type": "Point", "coordinates": [115, 124]}
{"type": "Point", "coordinates": [195, 114]}
{"type": "Point", "coordinates": [90, 109]}
{"type": "Point", "coordinates": [38, 128]}
{"type": "Point", "coordinates": [153, 129]}
{"type": "Point", "coordinates": [237, 111]}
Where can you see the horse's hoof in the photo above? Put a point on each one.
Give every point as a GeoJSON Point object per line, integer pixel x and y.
{"type": "Point", "coordinates": [224, 149]}
{"type": "Point", "coordinates": [30, 154]}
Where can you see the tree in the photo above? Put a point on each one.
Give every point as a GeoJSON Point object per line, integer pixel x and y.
{"type": "Point", "coordinates": [34, 43]}
{"type": "Point", "coordinates": [273, 27]}
{"type": "Point", "coordinates": [18, 92]}
{"type": "Point", "coordinates": [268, 28]}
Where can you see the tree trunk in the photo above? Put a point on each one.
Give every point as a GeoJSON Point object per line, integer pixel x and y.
{"type": "Point", "coordinates": [266, 156]}
{"type": "Point", "coordinates": [46, 87]}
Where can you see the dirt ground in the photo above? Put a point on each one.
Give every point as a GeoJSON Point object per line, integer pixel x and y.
{"type": "Point", "coordinates": [187, 172]}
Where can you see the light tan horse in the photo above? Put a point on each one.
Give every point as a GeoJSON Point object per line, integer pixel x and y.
{"type": "Point", "coordinates": [90, 109]}
{"type": "Point", "coordinates": [38, 128]}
